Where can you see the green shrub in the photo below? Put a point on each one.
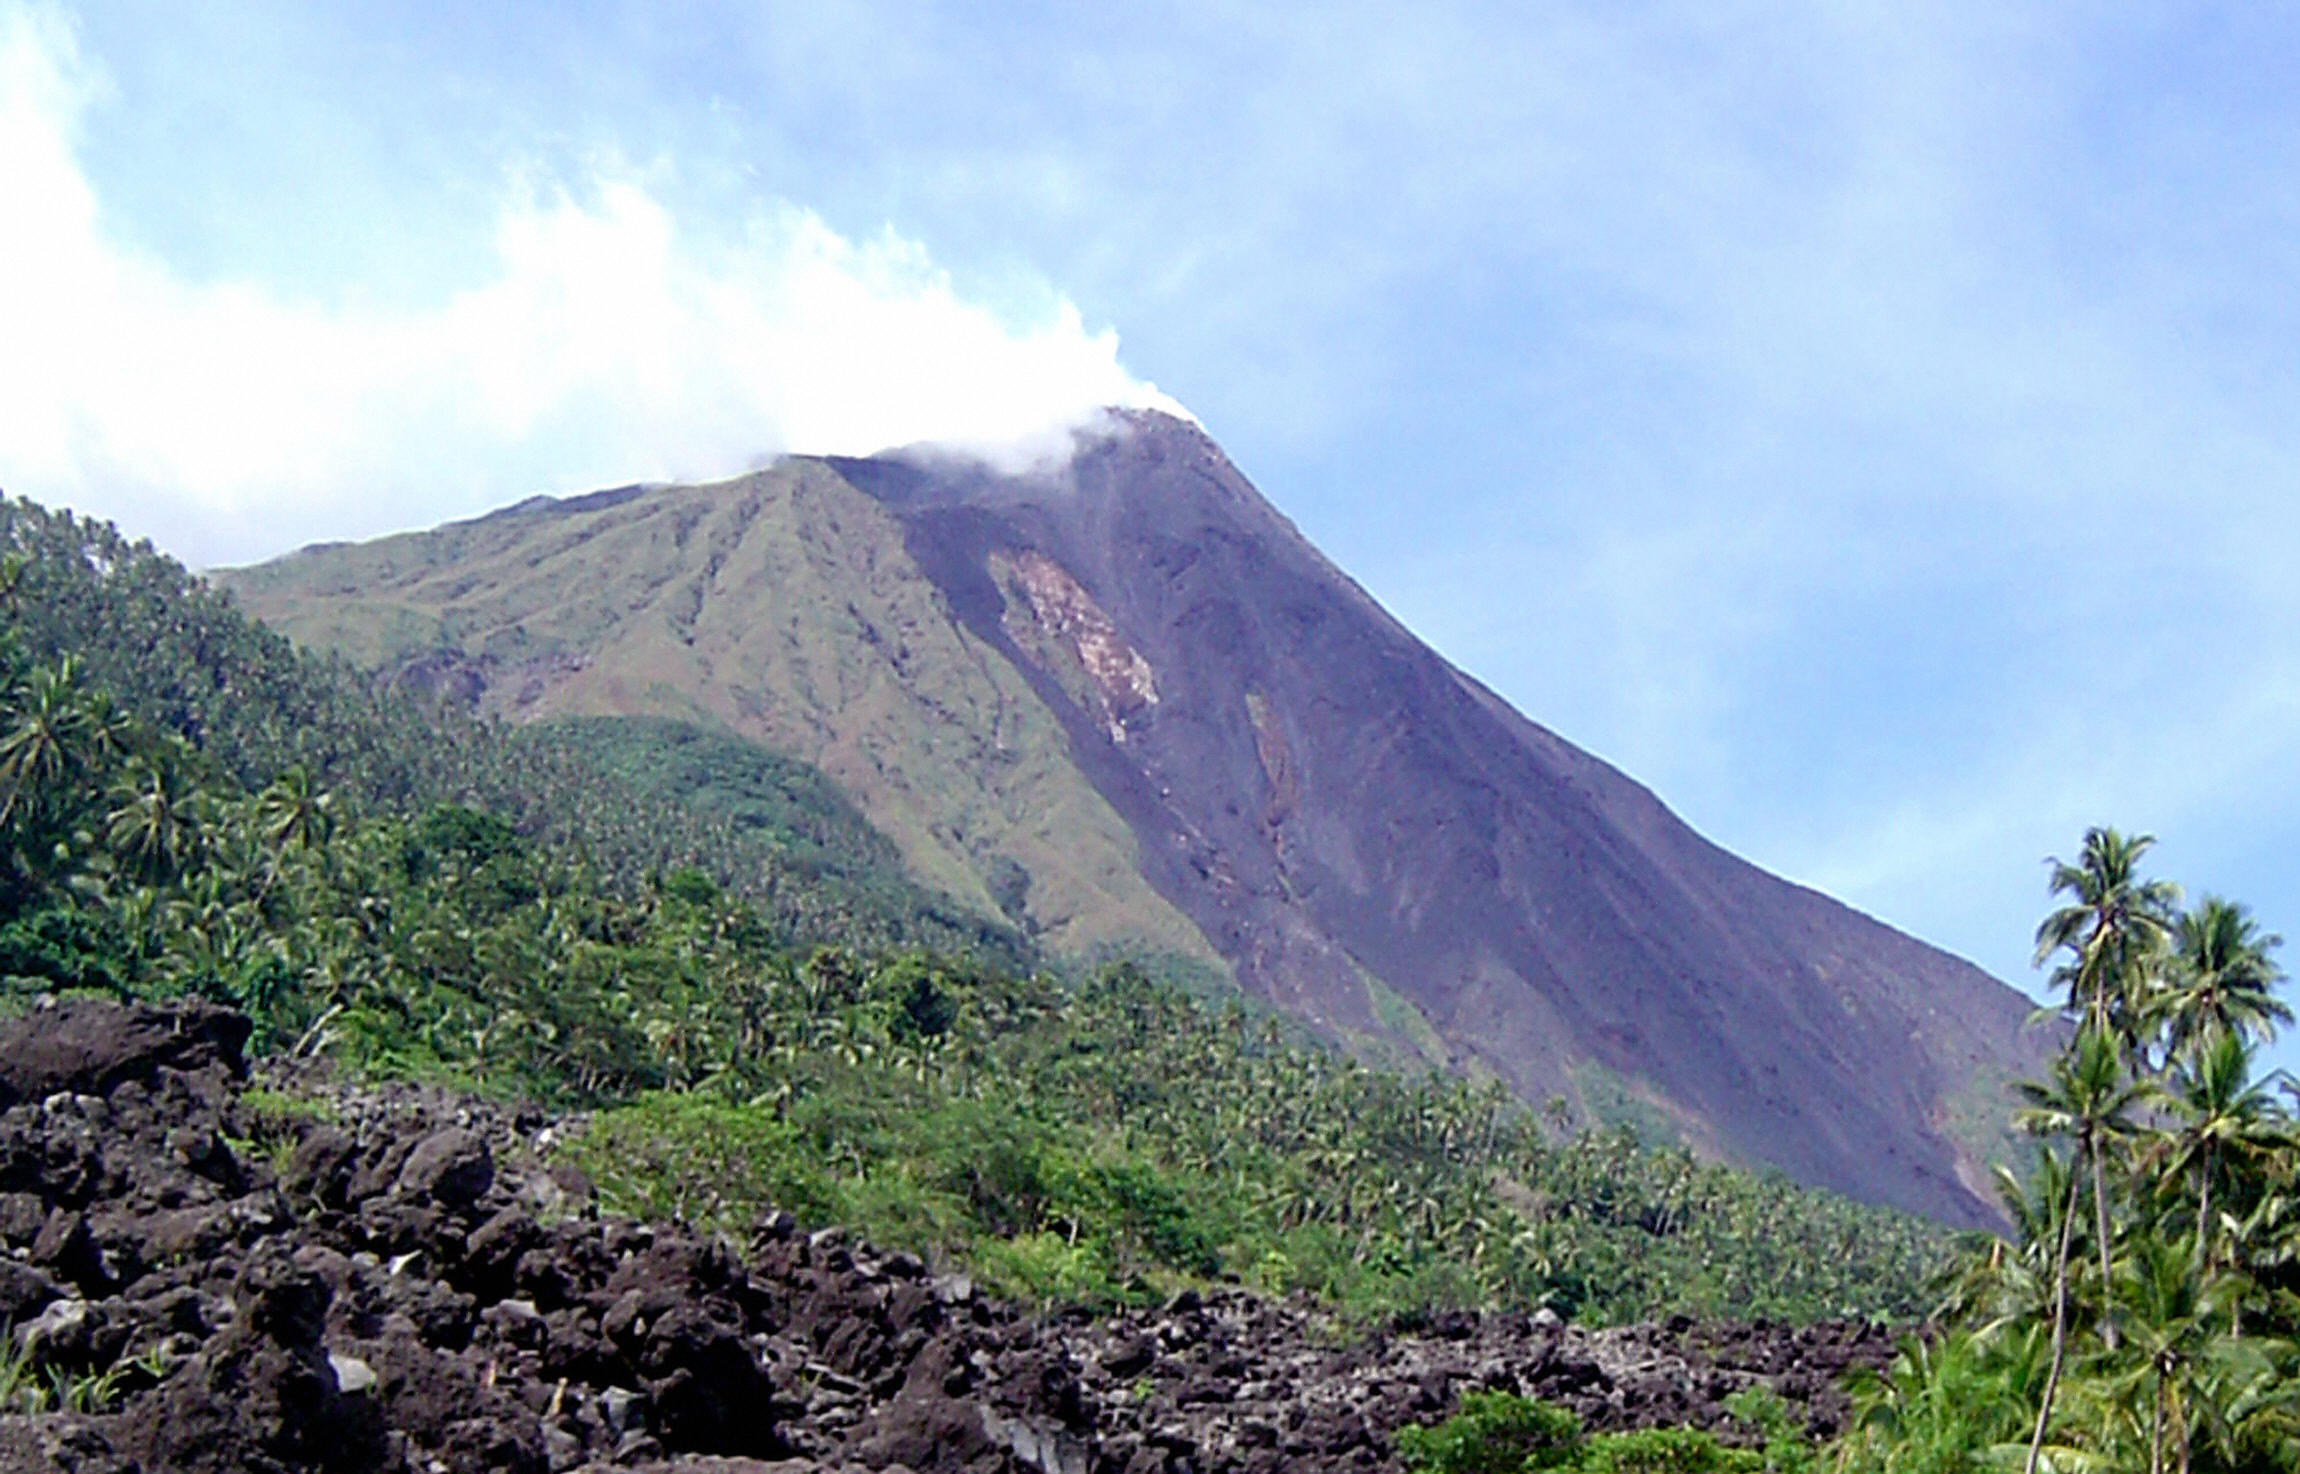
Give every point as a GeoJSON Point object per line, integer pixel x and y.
{"type": "Point", "coordinates": [701, 1161]}
{"type": "Point", "coordinates": [278, 1108]}
{"type": "Point", "coordinates": [63, 947]}
{"type": "Point", "coordinates": [1786, 1451]}
{"type": "Point", "coordinates": [1000, 1163]}
{"type": "Point", "coordinates": [692, 886]}
{"type": "Point", "coordinates": [1046, 1269]}
{"type": "Point", "coordinates": [892, 1208]}
{"type": "Point", "coordinates": [1495, 1433]}
{"type": "Point", "coordinates": [1666, 1451]}
{"type": "Point", "coordinates": [1148, 1210]}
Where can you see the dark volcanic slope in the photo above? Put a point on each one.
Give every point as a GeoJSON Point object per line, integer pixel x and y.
{"type": "Point", "coordinates": [1333, 803]}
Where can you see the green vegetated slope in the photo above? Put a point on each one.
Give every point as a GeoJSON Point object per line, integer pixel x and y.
{"type": "Point", "coordinates": [779, 800]}
{"type": "Point", "coordinates": [781, 606]}
{"type": "Point", "coordinates": [1092, 1143]}
{"type": "Point", "coordinates": [179, 657]}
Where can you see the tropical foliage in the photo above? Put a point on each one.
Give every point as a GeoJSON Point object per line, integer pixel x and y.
{"type": "Point", "coordinates": [164, 648]}
{"type": "Point", "coordinates": [1104, 1141]}
{"type": "Point", "coordinates": [1502, 1433]}
{"type": "Point", "coordinates": [2143, 1313]}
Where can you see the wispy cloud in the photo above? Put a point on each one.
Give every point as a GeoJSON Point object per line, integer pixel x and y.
{"type": "Point", "coordinates": [610, 341]}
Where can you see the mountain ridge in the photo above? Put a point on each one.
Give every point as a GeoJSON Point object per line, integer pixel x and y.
{"type": "Point", "coordinates": [1136, 661]}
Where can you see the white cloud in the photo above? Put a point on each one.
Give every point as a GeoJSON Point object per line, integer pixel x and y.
{"type": "Point", "coordinates": [611, 342]}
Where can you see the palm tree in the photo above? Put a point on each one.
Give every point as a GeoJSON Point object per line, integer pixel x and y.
{"type": "Point", "coordinates": [2113, 926]}
{"type": "Point", "coordinates": [2012, 1283]}
{"type": "Point", "coordinates": [1942, 1402]}
{"type": "Point", "coordinates": [111, 732]}
{"type": "Point", "coordinates": [2170, 1318]}
{"type": "Point", "coordinates": [155, 825]}
{"type": "Point", "coordinates": [2222, 980]}
{"type": "Point", "coordinates": [2247, 1404]}
{"type": "Point", "coordinates": [2264, 1244]}
{"type": "Point", "coordinates": [2067, 1228]}
{"type": "Point", "coordinates": [50, 727]}
{"type": "Point", "coordinates": [2226, 1116]}
{"type": "Point", "coordinates": [12, 570]}
{"type": "Point", "coordinates": [295, 814]}
{"type": "Point", "coordinates": [2087, 1101]}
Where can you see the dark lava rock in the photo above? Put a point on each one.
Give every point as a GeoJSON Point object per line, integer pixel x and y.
{"type": "Point", "coordinates": [85, 1047]}
{"type": "Point", "coordinates": [262, 1395]}
{"type": "Point", "coordinates": [421, 1292]}
{"type": "Point", "coordinates": [452, 1168]}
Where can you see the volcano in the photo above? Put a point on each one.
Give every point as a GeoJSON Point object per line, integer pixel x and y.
{"type": "Point", "coordinates": [1124, 703]}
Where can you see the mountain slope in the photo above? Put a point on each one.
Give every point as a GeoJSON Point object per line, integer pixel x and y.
{"type": "Point", "coordinates": [170, 651]}
{"type": "Point", "coordinates": [781, 606]}
{"type": "Point", "coordinates": [1129, 701]}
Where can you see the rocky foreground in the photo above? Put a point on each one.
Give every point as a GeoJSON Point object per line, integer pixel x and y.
{"type": "Point", "coordinates": [390, 1280]}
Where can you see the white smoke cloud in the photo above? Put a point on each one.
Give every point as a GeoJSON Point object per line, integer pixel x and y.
{"type": "Point", "coordinates": [609, 343]}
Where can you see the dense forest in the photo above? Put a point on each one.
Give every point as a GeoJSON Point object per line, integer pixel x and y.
{"type": "Point", "coordinates": [702, 948]}
{"type": "Point", "coordinates": [161, 647]}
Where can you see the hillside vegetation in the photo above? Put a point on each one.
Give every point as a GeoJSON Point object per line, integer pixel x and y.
{"type": "Point", "coordinates": [786, 803]}
{"type": "Point", "coordinates": [1093, 1143]}
{"type": "Point", "coordinates": [784, 607]}
{"type": "Point", "coordinates": [179, 658]}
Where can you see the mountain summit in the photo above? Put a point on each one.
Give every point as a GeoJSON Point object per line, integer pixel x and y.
{"type": "Point", "coordinates": [1127, 705]}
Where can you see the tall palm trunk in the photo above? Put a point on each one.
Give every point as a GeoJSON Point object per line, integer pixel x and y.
{"type": "Point", "coordinates": [2204, 1211]}
{"type": "Point", "coordinates": [2059, 1323]}
{"type": "Point", "coordinates": [2107, 1284]}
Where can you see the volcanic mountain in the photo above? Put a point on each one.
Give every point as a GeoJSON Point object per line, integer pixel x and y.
{"type": "Point", "coordinates": [1126, 704]}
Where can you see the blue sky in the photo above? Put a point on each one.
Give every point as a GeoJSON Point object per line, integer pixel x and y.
{"type": "Point", "coordinates": [1874, 428]}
